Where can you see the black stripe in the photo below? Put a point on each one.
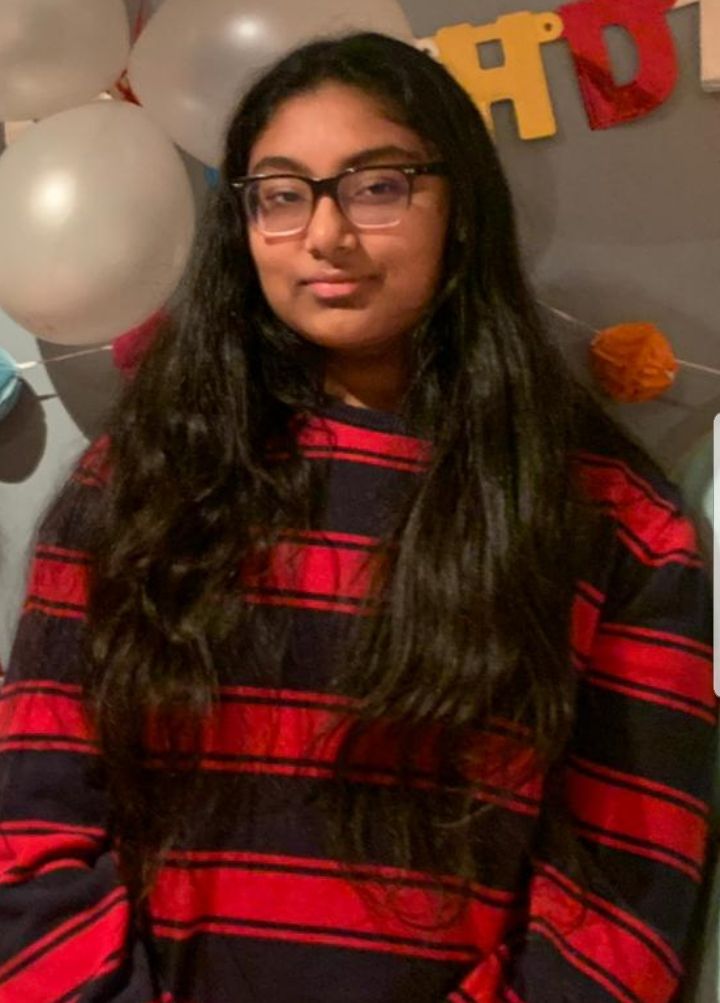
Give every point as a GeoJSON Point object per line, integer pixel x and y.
{"type": "Point", "coordinates": [314, 931]}
{"type": "Point", "coordinates": [340, 453]}
{"type": "Point", "coordinates": [83, 559]}
{"type": "Point", "coordinates": [630, 684]}
{"type": "Point", "coordinates": [628, 784]}
{"type": "Point", "coordinates": [331, 598]}
{"type": "Point", "coordinates": [291, 537]}
{"type": "Point", "coordinates": [53, 604]}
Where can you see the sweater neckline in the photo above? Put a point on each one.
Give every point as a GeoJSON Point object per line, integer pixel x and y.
{"type": "Point", "coordinates": [364, 417]}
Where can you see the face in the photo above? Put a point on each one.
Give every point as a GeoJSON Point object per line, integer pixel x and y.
{"type": "Point", "coordinates": [349, 290]}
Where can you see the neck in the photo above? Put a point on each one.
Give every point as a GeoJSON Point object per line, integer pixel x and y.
{"type": "Point", "coordinates": [378, 382]}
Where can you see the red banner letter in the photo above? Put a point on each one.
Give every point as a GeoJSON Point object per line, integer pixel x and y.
{"type": "Point", "coordinates": [606, 103]}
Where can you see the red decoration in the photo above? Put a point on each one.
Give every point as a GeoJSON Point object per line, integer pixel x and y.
{"type": "Point", "coordinates": [632, 362]}
{"type": "Point", "coordinates": [129, 348]}
{"type": "Point", "coordinates": [607, 103]}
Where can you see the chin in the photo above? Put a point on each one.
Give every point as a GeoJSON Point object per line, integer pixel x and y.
{"type": "Point", "coordinates": [338, 332]}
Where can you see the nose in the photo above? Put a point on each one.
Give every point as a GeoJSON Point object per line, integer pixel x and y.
{"type": "Point", "coordinates": [329, 230]}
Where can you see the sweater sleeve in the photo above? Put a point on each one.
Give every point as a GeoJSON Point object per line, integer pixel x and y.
{"type": "Point", "coordinates": [66, 928]}
{"type": "Point", "coordinates": [614, 925]}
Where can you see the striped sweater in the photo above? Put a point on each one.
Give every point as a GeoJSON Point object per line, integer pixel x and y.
{"type": "Point", "coordinates": [252, 909]}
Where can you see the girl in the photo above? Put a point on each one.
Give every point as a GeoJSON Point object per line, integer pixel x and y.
{"type": "Point", "coordinates": [364, 659]}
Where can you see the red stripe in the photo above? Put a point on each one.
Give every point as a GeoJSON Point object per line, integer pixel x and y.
{"type": "Point", "coordinates": [29, 714]}
{"type": "Point", "coordinates": [484, 981]}
{"type": "Point", "coordinates": [328, 434]}
{"type": "Point", "coordinates": [585, 616]}
{"type": "Point", "coordinates": [612, 920]}
{"type": "Point", "coordinates": [588, 938]}
{"type": "Point", "coordinates": [612, 467]}
{"type": "Point", "coordinates": [510, 994]}
{"type": "Point", "coordinates": [642, 661]}
{"type": "Point", "coordinates": [313, 907]}
{"type": "Point", "coordinates": [95, 459]}
{"type": "Point", "coordinates": [334, 868]}
{"type": "Point", "coordinates": [314, 736]}
{"type": "Point", "coordinates": [336, 572]}
{"type": "Point", "coordinates": [621, 811]}
{"type": "Point", "coordinates": [48, 847]}
{"type": "Point", "coordinates": [71, 955]}
{"type": "Point", "coordinates": [656, 560]}
{"type": "Point", "coordinates": [659, 636]}
{"type": "Point", "coordinates": [651, 786]}
{"type": "Point", "coordinates": [288, 738]}
{"type": "Point", "coordinates": [639, 510]}
{"type": "Point", "coordinates": [55, 581]}
{"type": "Point", "coordinates": [332, 576]}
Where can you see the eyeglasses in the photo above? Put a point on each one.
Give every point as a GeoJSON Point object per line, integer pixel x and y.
{"type": "Point", "coordinates": [281, 205]}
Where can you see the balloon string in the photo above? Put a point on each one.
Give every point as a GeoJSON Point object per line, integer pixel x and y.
{"type": "Point", "coordinates": [589, 327]}
{"type": "Point", "coordinates": [553, 309]}
{"type": "Point", "coordinates": [62, 358]}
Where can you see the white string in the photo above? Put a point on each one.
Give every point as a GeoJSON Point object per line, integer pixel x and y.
{"type": "Point", "coordinates": [589, 327]}
{"type": "Point", "coordinates": [62, 358]}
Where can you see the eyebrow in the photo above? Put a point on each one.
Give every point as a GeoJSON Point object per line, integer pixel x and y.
{"type": "Point", "coordinates": [372, 155]}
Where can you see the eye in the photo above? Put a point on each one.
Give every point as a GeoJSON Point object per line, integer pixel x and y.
{"type": "Point", "coordinates": [378, 186]}
{"type": "Point", "coordinates": [282, 193]}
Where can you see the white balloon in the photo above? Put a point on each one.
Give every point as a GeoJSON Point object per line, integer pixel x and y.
{"type": "Point", "coordinates": [98, 218]}
{"type": "Point", "coordinates": [194, 59]}
{"type": "Point", "coordinates": [55, 54]}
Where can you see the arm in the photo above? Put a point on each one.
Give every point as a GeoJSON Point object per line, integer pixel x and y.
{"type": "Point", "coordinates": [66, 929]}
{"type": "Point", "coordinates": [635, 786]}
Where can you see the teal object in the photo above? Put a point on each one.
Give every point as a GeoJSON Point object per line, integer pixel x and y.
{"type": "Point", "coordinates": [10, 385]}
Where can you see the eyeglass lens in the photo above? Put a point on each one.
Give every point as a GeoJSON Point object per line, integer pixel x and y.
{"type": "Point", "coordinates": [368, 197]}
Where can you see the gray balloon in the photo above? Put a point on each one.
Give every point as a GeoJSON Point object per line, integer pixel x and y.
{"type": "Point", "coordinates": [193, 60]}
{"type": "Point", "coordinates": [98, 218]}
{"type": "Point", "coordinates": [55, 54]}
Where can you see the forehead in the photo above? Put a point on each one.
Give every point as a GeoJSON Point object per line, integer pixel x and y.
{"type": "Point", "coordinates": [322, 130]}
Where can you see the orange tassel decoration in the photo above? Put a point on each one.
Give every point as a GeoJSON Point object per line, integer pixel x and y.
{"type": "Point", "coordinates": [632, 362]}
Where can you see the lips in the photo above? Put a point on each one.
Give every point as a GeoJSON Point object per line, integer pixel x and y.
{"type": "Point", "coordinates": [333, 286]}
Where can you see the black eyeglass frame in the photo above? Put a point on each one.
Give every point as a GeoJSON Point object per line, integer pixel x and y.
{"type": "Point", "coordinates": [329, 186]}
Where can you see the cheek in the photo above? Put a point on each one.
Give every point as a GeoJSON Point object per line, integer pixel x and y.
{"type": "Point", "coordinates": [270, 272]}
{"type": "Point", "coordinates": [416, 272]}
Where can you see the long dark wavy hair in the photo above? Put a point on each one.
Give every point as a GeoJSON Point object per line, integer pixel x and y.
{"type": "Point", "coordinates": [476, 599]}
